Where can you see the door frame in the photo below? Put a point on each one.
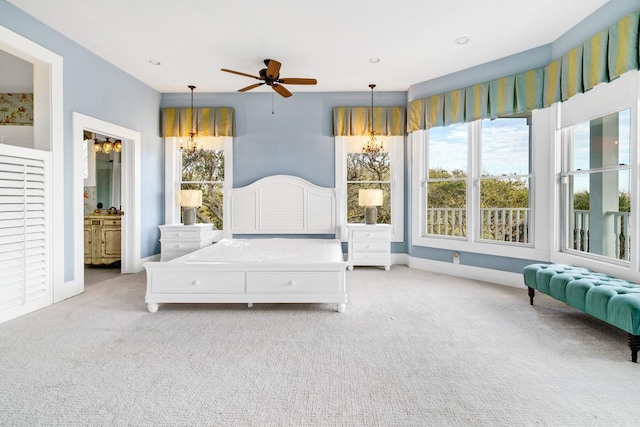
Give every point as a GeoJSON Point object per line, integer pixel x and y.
{"type": "Point", "coordinates": [130, 262]}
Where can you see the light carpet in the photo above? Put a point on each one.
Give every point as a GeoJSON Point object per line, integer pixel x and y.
{"type": "Point", "coordinates": [412, 349]}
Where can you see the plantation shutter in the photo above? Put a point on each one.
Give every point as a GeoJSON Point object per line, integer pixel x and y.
{"type": "Point", "coordinates": [24, 284]}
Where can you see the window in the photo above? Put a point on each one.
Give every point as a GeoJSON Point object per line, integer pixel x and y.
{"type": "Point", "coordinates": [446, 181]}
{"type": "Point", "coordinates": [356, 170]}
{"type": "Point", "coordinates": [505, 180]}
{"type": "Point", "coordinates": [208, 170]}
{"type": "Point", "coordinates": [476, 182]}
{"type": "Point", "coordinates": [597, 181]}
{"type": "Point", "coordinates": [204, 170]}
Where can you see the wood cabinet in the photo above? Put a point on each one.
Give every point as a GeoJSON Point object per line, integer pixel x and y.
{"type": "Point", "coordinates": [102, 239]}
{"type": "Point", "coordinates": [369, 245]}
{"type": "Point", "coordinates": [178, 239]}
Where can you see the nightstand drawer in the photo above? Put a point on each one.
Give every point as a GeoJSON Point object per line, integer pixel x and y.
{"type": "Point", "coordinates": [370, 235]}
{"type": "Point", "coordinates": [382, 257]}
{"type": "Point", "coordinates": [182, 234]}
{"type": "Point", "coordinates": [371, 246]}
{"type": "Point", "coordinates": [169, 245]}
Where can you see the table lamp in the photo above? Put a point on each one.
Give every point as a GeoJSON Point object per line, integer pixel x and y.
{"type": "Point", "coordinates": [189, 200]}
{"type": "Point", "coordinates": [370, 198]}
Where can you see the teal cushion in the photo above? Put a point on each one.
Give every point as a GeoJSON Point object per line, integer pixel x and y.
{"type": "Point", "coordinates": [576, 292]}
{"type": "Point", "coordinates": [624, 311]}
{"type": "Point", "coordinates": [597, 300]}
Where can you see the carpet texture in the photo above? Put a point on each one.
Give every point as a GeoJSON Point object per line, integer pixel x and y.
{"type": "Point", "coordinates": [412, 349]}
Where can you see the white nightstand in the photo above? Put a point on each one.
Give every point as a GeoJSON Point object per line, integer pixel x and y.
{"type": "Point", "coordinates": [369, 245]}
{"type": "Point", "coordinates": [178, 239]}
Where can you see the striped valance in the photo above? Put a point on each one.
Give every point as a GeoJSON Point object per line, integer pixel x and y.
{"type": "Point", "coordinates": [355, 121]}
{"type": "Point", "coordinates": [218, 121]}
{"type": "Point", "coordinates": [602, 58]}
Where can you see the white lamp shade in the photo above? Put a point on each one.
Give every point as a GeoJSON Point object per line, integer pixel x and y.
{"type": "Point", "coordinates": [370, 197]}
{"type": "Point", "coordinates": [190, 198]}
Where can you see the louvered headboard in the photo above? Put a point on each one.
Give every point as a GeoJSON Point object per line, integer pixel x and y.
{"type": "Point", "coordinates": [281, 204]}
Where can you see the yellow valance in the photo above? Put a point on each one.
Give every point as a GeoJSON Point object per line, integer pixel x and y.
{"type": "Point", "coordinates": [604, 57]}
{"type": "Point", "coordinates": [355, 121]}
{"type": "Point", "coordinates": [177, 122]}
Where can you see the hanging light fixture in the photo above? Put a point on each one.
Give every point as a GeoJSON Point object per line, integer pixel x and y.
{"type": "Point", "coordinates": [191, 143]}
{"type": "Point", "coordinates": [372, 145]}
{"type": "Point", "coordinates": [107, 146]}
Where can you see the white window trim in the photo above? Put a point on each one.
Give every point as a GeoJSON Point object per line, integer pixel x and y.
{"type": "Point", "coordinates": [397, 185]}
{"type": "Point", "coordinates": [172, 179]}
{"type": "Point", "coordinates": [540, 167]}
{"type": "Point", "coordinates": [621, 94]}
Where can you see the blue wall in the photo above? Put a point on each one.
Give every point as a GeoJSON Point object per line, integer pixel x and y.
{"type": "Point", "coordinates": [98, 89]}
{"type": "Point", "coordinates": [297, 139]}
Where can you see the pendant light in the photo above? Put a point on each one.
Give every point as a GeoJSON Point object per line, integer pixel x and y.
{"type": "Point", "coordinates": [372, 145]}
{"type": "Point", "coordinates": [192, 143]}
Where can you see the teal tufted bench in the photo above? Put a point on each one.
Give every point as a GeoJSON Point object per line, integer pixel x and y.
{"type": "Point", "coordinates": [612, 300]}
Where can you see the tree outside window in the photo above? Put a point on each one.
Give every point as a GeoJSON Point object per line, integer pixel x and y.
{"type": "Point", "coordinates": [204, 170]}
{"type": "Point", "coordinates": [368, 171]}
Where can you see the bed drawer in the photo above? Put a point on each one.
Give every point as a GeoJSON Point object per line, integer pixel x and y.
{"type": "Point", "coordinates": [292, 282]}
{"type": "Point", "coordinates": [198, 283]}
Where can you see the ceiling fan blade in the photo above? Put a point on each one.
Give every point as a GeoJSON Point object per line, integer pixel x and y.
{"type": "Point", "coordinates": [295, 81]}
{"type": "Point", "coordinates": [273, 68]}
{"type": "Point", "coordinates": [239, 73]}
{"type": "Point", "coordinates": [281, 90]}
{"type": "Point", "coordinates": [253, 86]}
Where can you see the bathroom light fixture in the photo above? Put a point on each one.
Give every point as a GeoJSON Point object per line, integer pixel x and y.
{"type": "Point", "coordinates": [372, 145]}
{"type": "Point", "coordinates": [191, 143]}
{"type": "Point", "coordinates": [107, 146]}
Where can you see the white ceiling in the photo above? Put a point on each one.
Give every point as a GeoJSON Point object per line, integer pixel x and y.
{"type": "Point", "coordinates": [330, 40]}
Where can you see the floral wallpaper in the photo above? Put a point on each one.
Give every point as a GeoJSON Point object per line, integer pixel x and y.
{"type": "Point", "coordinates": [16, 109]}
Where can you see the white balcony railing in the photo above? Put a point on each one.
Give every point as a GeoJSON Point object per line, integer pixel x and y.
{"type": "Point", "coordinates": [500, 224]}
{"type": "Point", "coordinates": [621, 232]}
{"type": "Point", "coordinates": [512, 225]}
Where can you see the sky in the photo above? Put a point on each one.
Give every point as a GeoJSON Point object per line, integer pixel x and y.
{"type": "Point", "coordinates": [505, 148]}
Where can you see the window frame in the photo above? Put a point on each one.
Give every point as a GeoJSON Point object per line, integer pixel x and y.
{"type": "Point", "coordinates": [173, 179]}
{"type": "Point", "coordinates": [618, 95]}
{"type": "Point", "coordinates": [539, 160]}
{"type": "Point", "coordinates": [395, 145]}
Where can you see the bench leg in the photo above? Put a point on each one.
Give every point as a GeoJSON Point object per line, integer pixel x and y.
{"type": "Point", "coordinates": [634, 345]}
{"type": "Point", "coordinates": [532, 293]}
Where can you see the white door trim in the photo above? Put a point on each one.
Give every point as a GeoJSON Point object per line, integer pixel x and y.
{"type": "Point", "coordinates": [131, 262]}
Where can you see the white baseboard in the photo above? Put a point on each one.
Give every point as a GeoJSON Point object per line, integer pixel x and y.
{"type": "Point", "coordinates": [469, 272]}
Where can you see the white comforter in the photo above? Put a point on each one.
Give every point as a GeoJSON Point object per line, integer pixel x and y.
{"type": "Point", "coordinates": [276, 251]}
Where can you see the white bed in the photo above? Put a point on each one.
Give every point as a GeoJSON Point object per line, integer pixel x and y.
{"type": "Point", "coordinates": [262, 270]}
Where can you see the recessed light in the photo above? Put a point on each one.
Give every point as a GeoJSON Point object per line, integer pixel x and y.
{"type": "Point", "coordinates": [154, 62]}
{"type": "Point", "coordinates": [462, 40]}
{"type": "Point", "coordinates": [374, 60]}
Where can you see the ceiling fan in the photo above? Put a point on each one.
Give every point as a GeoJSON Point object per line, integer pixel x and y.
{"type": "Point", "coordinates": [271, 77]}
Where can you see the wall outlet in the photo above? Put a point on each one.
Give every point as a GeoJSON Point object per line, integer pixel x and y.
{"type": "Point", "coordinates": [456, 258]}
